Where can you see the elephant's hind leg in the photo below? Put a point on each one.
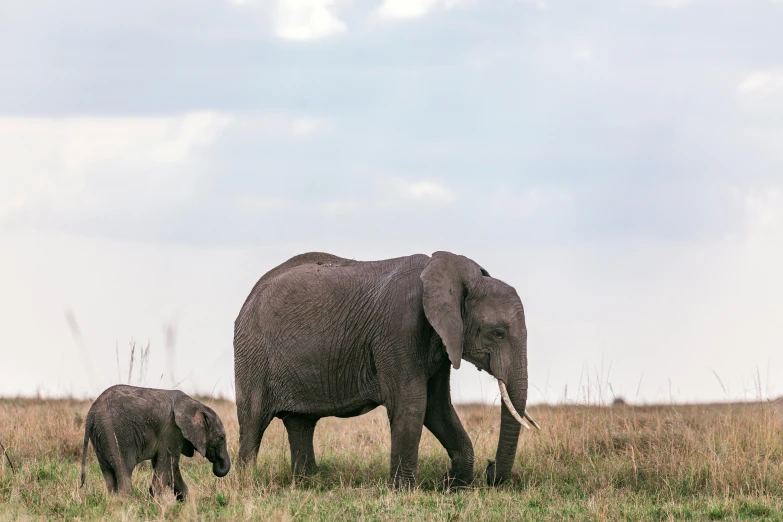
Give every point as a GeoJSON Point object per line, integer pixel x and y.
{"type": "Point", "coordinates": [108, 477]}
{"type": "Point", "coordinates": [123, 476]}
{"type": "Point", "coordinates": [252, 425]}
{"type": "Point", "coordinates": [300, 430]}
{"type": "Point", "coordinates": [108, 472]}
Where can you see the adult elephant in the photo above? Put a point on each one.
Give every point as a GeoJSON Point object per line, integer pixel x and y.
{"type": "Point", "coordinates": [322, 336]}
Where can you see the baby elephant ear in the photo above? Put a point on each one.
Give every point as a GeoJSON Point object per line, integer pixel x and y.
{"type": "Point", "coordinates": [189, 416]}
{"type": "Point", "coordinates": [187, 448]}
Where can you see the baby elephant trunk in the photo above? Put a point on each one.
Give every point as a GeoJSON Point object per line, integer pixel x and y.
{"type": "Point", "coordinates": [222, 464]}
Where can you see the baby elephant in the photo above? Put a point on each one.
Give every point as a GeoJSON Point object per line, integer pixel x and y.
{"type": "Point", "coordinates": [128, 425]}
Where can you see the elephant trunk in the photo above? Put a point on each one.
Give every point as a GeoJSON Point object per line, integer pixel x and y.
{"type": "Point", "coordinates": [510, 406]}
{"type": "Point", "coordinates": [221, 464]}
{"type": "Point", "coordinates": [514, 401]}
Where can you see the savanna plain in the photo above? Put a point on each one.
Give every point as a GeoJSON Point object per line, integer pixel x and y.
{"type": "Point", "coordinates": [669, 462]}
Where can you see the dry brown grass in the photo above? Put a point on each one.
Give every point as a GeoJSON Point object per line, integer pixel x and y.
{"type": "Point", "coordinates": [623, 462]}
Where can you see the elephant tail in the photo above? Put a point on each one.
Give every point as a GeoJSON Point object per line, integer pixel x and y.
{"type": "Point", "coordinates": [86, 447]}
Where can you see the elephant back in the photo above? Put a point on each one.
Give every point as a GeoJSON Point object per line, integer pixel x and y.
{"type": "Point", "coordinates": [298, 260]}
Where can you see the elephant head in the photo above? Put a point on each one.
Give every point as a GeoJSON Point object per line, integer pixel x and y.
{"type": "Point", "coordinates": [481, 319]}
{"type": "Point", "coordinates": [203, 432]}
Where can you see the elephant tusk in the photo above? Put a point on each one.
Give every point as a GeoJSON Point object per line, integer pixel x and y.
{"type": "Point", "coordinates": [534, 423]}
{"type": "Point", "coordinates": [511, 409]}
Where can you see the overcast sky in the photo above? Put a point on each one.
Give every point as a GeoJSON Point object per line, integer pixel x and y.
{"type": "Point", "coordinates": [619, 162]}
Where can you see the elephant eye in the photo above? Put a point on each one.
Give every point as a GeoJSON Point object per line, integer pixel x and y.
{"type": "Point", "coordinates": [498, 333]}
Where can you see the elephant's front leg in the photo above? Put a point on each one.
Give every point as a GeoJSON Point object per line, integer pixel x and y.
{"type": "Point", "coordinates": [180, 488]}
{"type": "Point", "coordinates": [406, 420]}
{"type": "Point", "coordinates": [163, 472]}
{"type": "Point", "coordinates": [442, 420]}
{"type": "Point", "coordinates": [300, 438]}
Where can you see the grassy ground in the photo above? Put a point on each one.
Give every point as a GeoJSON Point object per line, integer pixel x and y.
{"type": "Point", "coordinates": [719, 462]}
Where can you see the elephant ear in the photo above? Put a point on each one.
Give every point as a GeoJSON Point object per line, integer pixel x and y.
{"type": "Point", "coordinates": [447, 279]}
{"type": "Point", "coordinates": [190, 417]}
{"type": "Point", "coordinates": [187, 448]}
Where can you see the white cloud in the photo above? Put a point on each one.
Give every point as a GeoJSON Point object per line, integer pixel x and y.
{"type": "Point", "coordinates": [298, 20]}
{"type": "Point", "coordinates": [408, 9]}
{"type": "Point", "coordinates": [534, 200]}
{"type": "Point", "coordinates": [540, 4]}
{"type": "Point", "coordinates": [759, 279]}
{"type": "Point", "coordinates": [84, 167]}
{"type": "Point", "coordinates": [429, 190]}
{"type": "Point", "coordinates": [394, 191]}
{"type": "Point", "coordinates": [583, 54]}
{"type": "Point", "coordinates": [672, 3]}
{"type": "Point", "coordinates": [307, 19]}
{"type": "Point", "coordinates": [342, 207]}
{"type": "Point", "coordinates": [280, 125]}
{"type": "Point", "coordinates": [764, 211]}
{"type": "Point", "coordinates": [47, 161]}
{"type": "Point", "coordinates": [492, 57]}
{"type": "Point", "coordinates": [763, 82]}
{"type": "Point", "coordinates": [305, 127]}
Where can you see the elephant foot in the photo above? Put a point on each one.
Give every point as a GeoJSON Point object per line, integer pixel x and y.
{"type": "Point", "coordinates": [246, 461]}
{"type": "Point", "coordinates": [180, 496]}
{"type": "Point", "coordinates": [403, 483]}
{"type": "Point", "coordinates": [304, 470]}
{"type": "Point", "coordinates": [452, 481]}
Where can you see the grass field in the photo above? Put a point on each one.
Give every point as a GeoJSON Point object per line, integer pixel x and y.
{"type": "Point", "coordinates": [717, 462]}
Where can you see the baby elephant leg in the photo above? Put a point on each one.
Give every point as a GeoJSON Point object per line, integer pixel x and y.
{"type": "Point", "coordinates": [180, 488]}
{"type": "Point", "coordinates": [165, 472]}
{"type": "Point", "coordinates": [108, 477]}
{"type": "Point", "coordinates": [116, 477]}
{"type": "Point", "coordinates": [123, 478]}
{"type": "Point", "coordinates": [108, 473]}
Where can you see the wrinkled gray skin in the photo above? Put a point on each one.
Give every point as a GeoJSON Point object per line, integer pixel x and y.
{"type": "Point", "coordinates": [323, 336]}
{"type": "Point", "coordinates": [128, 425]}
